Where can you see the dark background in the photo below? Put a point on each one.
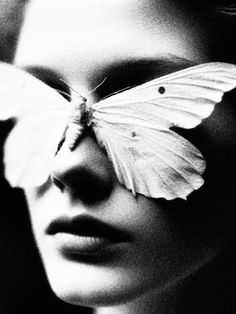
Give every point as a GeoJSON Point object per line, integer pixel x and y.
{"type": "Point", "coordinates": [23, 284]}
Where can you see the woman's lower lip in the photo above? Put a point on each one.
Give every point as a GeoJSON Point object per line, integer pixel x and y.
{"type": "Point", "coordinates": [75, 244]}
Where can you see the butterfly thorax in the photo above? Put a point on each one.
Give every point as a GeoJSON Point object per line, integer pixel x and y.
{"type": "Point", "coordinates": [81, 113]}
{"type": "Point", "coordinates": [86, 114]}
{"type": "Point", "coordinates": [80, 120]}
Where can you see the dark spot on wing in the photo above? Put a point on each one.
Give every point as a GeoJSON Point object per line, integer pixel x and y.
{"type": "Point", "coordinates": [161, 90]}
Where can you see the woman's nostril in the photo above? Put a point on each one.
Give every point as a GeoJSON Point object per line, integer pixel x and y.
{"type": "Point", "coordinates": [90, 191]}
{"type": "Point", "coordinates": [84, 185]}
{"type": "Point", "coordinates": [84, 173]}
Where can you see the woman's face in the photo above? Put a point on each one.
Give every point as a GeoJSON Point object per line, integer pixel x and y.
{"type": "Point", "coordinates": [144, 245]}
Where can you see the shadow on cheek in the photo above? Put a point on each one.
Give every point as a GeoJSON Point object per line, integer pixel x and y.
{"type": "Point", "coordinates": [213, 205]}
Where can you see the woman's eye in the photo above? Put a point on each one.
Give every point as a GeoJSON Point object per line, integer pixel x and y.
{"type": "Point", "coordinates": [51, 78]}
{"type": "Point", "coordinates": [119, 78]}
{"type": "Point", "coordinates": [130, 73]}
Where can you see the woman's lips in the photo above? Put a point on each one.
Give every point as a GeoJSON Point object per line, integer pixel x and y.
{"type": "Point", "coordinates": [84, 234]}
{"type": "Point", "coordinates": [74, 244]}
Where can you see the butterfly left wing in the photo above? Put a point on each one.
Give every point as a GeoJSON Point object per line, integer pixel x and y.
{"type": "Point", "coordinates": [135, 128]}
{"type": "Point", "coordinates": [30, 148]}
{"type": "Point", "coordinates": [41, 116]}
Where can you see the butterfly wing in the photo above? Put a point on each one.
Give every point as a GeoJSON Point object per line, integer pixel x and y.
{"type": "Point", "coordinates": [41, 116]}
{"type": "Point", "coordinates": [135, 128]}
{"type": "Point", "coordinates": [149, 162]}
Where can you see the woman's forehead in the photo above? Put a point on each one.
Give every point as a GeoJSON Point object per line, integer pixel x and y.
{"type": "Point", "coordinates": [87, 34]}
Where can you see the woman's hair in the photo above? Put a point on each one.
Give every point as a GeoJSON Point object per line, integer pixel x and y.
{"type": "Point", "coordinates": [221, 24]}
{"type": "Point", "coordinates": [218, 18]}
{"type": "Point", "coordinates": [11, 18]}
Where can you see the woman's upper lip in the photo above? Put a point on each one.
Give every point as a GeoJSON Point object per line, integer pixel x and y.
{"type": "Point", "coordinates": [87, 226]}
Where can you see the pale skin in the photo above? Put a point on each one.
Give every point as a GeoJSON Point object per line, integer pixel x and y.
{"type": "Point", "coordinates": [84, 42]}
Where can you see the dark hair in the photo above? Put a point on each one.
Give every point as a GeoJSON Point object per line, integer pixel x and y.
{"type": "Point", "coordinates": [218, 18]}
{"type": "Point", "coordinates": [221, 23]}
{"type": "Point", "coordinates": [11, 18]}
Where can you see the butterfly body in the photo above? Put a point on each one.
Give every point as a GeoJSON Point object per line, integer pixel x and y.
{"type": "Point", "coordinates": [135, 127]}
{"type": "Point", "coordinates": [79, 121]}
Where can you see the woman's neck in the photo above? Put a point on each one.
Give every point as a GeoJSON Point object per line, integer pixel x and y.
{"type": "Point", "coordinates": [210, 290]}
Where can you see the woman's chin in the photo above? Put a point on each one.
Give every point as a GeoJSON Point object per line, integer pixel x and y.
{"type": "Point", "coordinates": [95, 290]}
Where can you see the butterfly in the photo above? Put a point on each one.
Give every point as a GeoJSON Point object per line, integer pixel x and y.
{"type": "Point", "coordinates": [133, 126]}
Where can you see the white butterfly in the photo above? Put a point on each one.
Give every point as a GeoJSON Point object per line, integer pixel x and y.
{"type": "Point", "coordinates": [133, 126]}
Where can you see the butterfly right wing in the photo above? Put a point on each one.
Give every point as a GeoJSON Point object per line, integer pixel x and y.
{"type": "Point", "coordinates": [41, 116]}
{"type": "Point", "coordinates": [135, 128]}
{"type": "Point", "coordinates": [181, 99]}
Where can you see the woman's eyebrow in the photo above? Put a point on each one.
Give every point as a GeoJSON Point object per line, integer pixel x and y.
{"type": "Point", "coordinates": [120, 74]}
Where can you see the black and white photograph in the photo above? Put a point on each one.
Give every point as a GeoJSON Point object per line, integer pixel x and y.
{"type": "Point", "coordinates": [118, 152]}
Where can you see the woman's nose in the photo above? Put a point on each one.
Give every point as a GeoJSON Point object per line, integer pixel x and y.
{"type": "Point", "coordinates": [85, 173]}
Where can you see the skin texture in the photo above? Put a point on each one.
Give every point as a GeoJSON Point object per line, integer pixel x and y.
{"type": "Point", "coordinates": [85, 42]}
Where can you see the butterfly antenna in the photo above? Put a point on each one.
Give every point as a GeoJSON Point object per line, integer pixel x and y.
{"type": "Point", "coordinates": [93, 90]}
{"type": "Point", "coordinates": [71, 88]}
{"type": "Point", "coordinates": [119, 91]}
{"type": "Point", "coordinates": [64, 93]}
